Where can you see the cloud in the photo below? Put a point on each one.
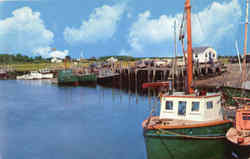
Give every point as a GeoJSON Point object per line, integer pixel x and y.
{"type": "Point", "coordinates": [209, 27]}
{"type": "Point", "coordinates": [48, 52]}
{"type": "Point", "coordinates": [101, 25]}
{"type": "Point", "coordinates": [60, 54]}
{"type": "Point", "coordinates": [24, 32]}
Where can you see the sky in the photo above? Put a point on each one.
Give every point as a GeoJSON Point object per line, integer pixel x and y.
{"type": "Point", "coordinates": [139, 28]}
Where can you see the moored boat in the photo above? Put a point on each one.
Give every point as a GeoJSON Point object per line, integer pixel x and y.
{"type": "Point", "coordinates": [66, 77]}
{"type": "Point", "coordinates": [191, 124]}
{"type": "Point", "coordinates": [239, 136]}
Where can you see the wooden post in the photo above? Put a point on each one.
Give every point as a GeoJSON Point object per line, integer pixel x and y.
{"type": "Point", "coordinates": [154, 73]}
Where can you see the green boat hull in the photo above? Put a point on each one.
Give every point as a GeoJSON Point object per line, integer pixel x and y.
{"type": "Point", "coordinates": [66, 77]}
{"type": "Point", "coordinates": [187, 143]}
{"type": "Point", "coordinates": [83, 79]}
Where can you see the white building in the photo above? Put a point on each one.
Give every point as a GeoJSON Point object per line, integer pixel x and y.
{"type": "Point", "coordinates": [158, 62]}
{"type": "Point", "coordinates": [204, 55]}
{"type": "Point", "coordinates": [112, 60]}
{"type": "Point", "coordinates": [56, 60]}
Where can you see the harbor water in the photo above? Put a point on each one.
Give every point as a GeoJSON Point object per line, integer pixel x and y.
{"type": "Point", "coordinates": [39, 120]}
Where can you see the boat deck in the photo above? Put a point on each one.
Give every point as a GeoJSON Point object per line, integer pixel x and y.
{"type": "Point", "coordinates": [240, 138]}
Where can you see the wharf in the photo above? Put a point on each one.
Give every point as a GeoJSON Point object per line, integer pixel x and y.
{"type": "Point", "coordinates": [135, 77]}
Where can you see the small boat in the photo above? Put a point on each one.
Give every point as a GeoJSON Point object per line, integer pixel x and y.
{"type": "Point", "coordinates": [66, 77]}
{"type": "Point", "coordinates": [34, 75]}
{"type": "Point", "coordinates": [239, 136]}
{"type": "Point", "coordinates": [191, 124]}
{"type": "Point", "coordinates": [46, 74]}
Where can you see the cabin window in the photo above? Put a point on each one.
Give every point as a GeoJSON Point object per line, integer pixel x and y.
{"type": "Point", "coordinates": [246, 116]}
{"type": "Point", "coordinates": [195, 106]}
{"type": "Point", "coordinates": [169, 105]}
{"type": "Point", "coordinates": [210, 105]}
{"type": "Point", "coordinates": [182, 108]}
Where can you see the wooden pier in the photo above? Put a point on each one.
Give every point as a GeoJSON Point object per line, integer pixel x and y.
{"type": "Point", "coordinates": [135, 77]}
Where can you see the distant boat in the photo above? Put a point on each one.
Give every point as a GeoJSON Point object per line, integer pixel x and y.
{"type": "Point", "coordinates": [66, 77]}
{"type": "Point", "coordinates": [34, 75]}
{"type": "Point", "coordinates": [191, 124]}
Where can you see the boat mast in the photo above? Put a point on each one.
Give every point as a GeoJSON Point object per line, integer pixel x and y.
{"type": "Point", "coordinates": [189, 48]}
{"type": "Point", "coordinates": [244, 72]}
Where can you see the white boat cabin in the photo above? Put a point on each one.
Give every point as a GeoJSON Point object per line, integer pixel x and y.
{"type": "Point", "coordinates": [191, 107]}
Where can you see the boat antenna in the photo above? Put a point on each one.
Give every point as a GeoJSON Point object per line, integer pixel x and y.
{"type": "Point", "coordinates": [244, 75]}
{"type": "Point", "coordinates": [189, 48]}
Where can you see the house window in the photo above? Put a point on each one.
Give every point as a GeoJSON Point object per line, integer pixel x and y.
{"type": "Point", "coordinates": [182, 108]}
{"type": "Point", "coordinates": [196, 55]}
{"type": "Point", "coordinates": [195, 106]}
{"type": "Point", "coordinates": [210, 105]}
{"type": "Point", "coordinates": [213, 55]}
{"type": "Point", "coordinates": [169, 105]}
{"type": "Point", "coordinates": [205, 55]}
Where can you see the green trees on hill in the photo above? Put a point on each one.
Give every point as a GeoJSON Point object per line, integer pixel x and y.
{"type": "Point", "coordinates": [18, 58]}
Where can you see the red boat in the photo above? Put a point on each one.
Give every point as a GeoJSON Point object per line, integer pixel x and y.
{"type": "Point", "coordinates": [239, 136]}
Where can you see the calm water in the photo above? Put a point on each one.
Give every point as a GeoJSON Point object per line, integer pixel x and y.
{"type": "Point", "coordinates": [42, 121]}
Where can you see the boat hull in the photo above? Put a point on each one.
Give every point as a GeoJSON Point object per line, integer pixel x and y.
{"type": "Point", "coordinates": [239, 151]}
{"type": "Point", "coordinates": [194, 143]}
{"type": "Point", "coordinates": [87, 79]}
{"type": "Point", "coordinates": [66, 77]}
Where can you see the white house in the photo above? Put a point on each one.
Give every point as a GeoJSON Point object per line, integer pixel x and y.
{"type": "Point", "coordinates": [112, 60]}
{"type": "Point", "coordinates": [204, 55]}
{"type": "Point", "coordinates": [56, 60]}
{"type": "Point", "coordinates": [158, 62]}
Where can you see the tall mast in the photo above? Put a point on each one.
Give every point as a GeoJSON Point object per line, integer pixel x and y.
{"type": "Point", "coordinates": [244, 74]}
{"type": "Point", "coordinates": [189, 48]}
{"type": "Point", "coordinates": [175, 55]}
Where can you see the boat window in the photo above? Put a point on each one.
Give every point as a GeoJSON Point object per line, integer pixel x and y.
{"type": "Point", "coordinates": [169, 105]}
{"type": "Point", "coordinates": [246, 116]}
{"type": "Point", "coordinates": [195, 106]}
{"type": "Point", "coordinates": [182, 108]}
{"type": "Point", "coordinates": [210, 105]}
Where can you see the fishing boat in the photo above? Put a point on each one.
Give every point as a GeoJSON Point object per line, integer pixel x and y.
{"type": "Point", "coordinates": [191, 124]}
{"type": "Point", "coordinates": [34, 75]}
{"type": "Point", "coordinates": [66, 77]}
{"type": "Point", "coordinates": [239, 136]}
